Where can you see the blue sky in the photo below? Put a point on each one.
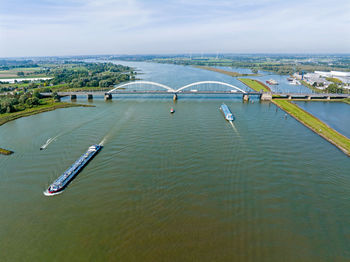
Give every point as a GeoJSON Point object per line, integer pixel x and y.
{"type": "Point", "coordinates": [77, 27]}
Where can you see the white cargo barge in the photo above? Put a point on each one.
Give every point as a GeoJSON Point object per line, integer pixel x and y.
{"type": "Point", "coordinates": [227, 112]}
{"type": "Point", "coordinates": [60, 183]}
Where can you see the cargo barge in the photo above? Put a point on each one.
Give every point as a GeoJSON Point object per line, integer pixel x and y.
{"type": "Point", "coordinates": [227, 112]}
{"type": "Point", "coordinates": [60, 183]}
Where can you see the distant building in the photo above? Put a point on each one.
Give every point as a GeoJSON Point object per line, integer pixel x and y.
{"type": "Point", "coordinates": [340, 74]}
{"type": "Point", "coordinates": [323, 74]}
{"type": "Point", "coordinates": [316, 79]}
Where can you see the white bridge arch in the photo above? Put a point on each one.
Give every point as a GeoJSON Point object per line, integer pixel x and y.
{"type": "Point", "coordinates": [210, 82]}
{"type": "Point", "coordinates": [169, 89]}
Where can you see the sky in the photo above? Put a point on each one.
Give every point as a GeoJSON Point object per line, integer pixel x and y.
{"type": "Point", "coordinates": [88, 27]}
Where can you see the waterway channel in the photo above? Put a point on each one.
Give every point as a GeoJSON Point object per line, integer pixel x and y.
{"type": "Point", "coordinates": [181, 187]}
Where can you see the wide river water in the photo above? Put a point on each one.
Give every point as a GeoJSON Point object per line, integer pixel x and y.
{"type": "Point", "coordinates": [181, 187]}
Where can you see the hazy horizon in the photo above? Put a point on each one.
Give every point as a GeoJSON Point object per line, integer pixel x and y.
{"type": "Point", "coordinates": [134, 27]}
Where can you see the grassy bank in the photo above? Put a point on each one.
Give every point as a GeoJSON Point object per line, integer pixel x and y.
{"type": "Point", "coordinates": [5, 151]}
{"type": "Point", "coordinates": [311, 87]}
{"type": "Point", "coordinates": [49, 106]}
{"type": "Point", "coordinates": [218, 70]}
{"type": "Point", "coordinates": [316, 125]}
{"type": "Point", "coordinates": [347, 100]}
{"type": "Point", "coordinates": [255, 84]}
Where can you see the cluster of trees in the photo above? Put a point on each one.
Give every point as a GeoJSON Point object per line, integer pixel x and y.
{"type": "Point", "coordinates": [6, 64]}
{"type": "Point", "coordinates": [91, 75]}
{"type": "Point", "coordinates": [14, 103]}
{"type": "Point", "coordinates": [334, 88]}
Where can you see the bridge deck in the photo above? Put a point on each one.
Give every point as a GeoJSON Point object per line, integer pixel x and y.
{"type": "Point", "coordinates": [282, 95]}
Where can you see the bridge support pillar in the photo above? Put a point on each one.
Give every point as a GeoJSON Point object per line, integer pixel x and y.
{"type": "Point", "coordinates": [328, 98]}
{"type": "Point", "coordinates": [73, 97]}
{"type": "Point", "coordinates": [89, 96]}
{"type": "Point", "coordinates": [175, 97]}
{"type": "Point", "coordinates": [266, 97]}
{"type": "Point", "coordinates": [108, 96]}
{"type": "Point", "coordinates": [289, 97]}
{"type": "Point", "coordinates": [308, 97]}
{"type": "Point", "coordinates": [245, 97]}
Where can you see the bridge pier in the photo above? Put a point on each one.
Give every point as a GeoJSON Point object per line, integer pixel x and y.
{"type": "Point", "coordinates": [89, 96]}
{"type": "Point", "coordinates": [328, 98]}
{"type": "Point", "coordinates": [266, 97]}
{"type": "Point", "coordinates": [175, 97]}
{"type": "Point", "coordinates": [289, 97]}
{"type": "Point", "coordinates": [73, 97]}
{"type": "Point", "coordinates": [108, 96]}
{"type": "Point", "coordinates": [246, 98]}
{"type": "Point", "coordinates": [308, 97]}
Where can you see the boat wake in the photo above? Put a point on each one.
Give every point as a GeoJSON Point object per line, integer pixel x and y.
{"type": "Point", "coordinates": [48, 142]}
{"type": "Point", "coordinates": [112, 131]}
{"type": "Point", "coordinates": [103, 141]}
{"type": "Point", "coordinates": [233, 126]}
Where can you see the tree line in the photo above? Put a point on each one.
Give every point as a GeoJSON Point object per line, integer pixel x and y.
{"type": "Point", "coordinates": [19, 102]}
{"type": "Point", "coordinates": [91, 75]}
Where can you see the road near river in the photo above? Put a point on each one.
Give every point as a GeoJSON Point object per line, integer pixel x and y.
{"type": "Point", "coordinates": [173, 187]}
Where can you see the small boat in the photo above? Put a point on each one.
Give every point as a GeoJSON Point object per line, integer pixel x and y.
{"type": "Point", "coordinates": [227, 112]}
{"type": "Point", "coordinates": [62, 182]}
{"type": "Point", "coordinates": [46, 144]}
{"type": "Point", "coordinates": [172, 111]}
{"type": "Point", "coordinates": [272, 82]}
{"type": "Point", "coordinates": [295, 82]}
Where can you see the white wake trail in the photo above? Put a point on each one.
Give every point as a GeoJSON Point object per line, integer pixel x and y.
{"type": "Point", "coordinates": [234, 128]}
{"type": "Point", "coordinates": [48, 142]}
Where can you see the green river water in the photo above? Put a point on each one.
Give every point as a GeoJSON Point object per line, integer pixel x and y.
{"type": "Point", "coordinates": [181, 187]}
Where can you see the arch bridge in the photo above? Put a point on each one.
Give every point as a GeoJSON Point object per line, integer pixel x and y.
{"type": "Point", "coordinates": [122, 87]}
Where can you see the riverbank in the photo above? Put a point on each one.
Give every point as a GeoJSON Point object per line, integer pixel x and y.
{"type": "Point", "coordinates": [347, 101]}
{"type": "Point", "coordinates": [218, 70]}
{"type": "Point", "coordinates": [316, 125]}
{"type": "Point", "coordinates": [7, 117]}
{"type": "Point", "coordinates": [5, 151]}
{"type": "Point", "coordinates": [255, 84]}
{"type": "Point", "coordinates": [310, 121]}
{"type": "Point", "coordinates": [316, 90]}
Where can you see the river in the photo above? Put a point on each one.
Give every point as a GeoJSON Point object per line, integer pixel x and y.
{"type": "Point", "coordinates": [181, 187]}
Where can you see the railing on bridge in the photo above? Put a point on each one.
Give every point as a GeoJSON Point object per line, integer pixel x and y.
{"type": "Point", "coordinates": [201, 87]}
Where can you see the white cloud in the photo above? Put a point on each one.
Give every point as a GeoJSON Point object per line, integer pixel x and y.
{"type": "Point", "coordinates": [130, 26]}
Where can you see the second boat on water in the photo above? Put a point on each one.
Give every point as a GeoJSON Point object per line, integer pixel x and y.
{"type": "Point", "coordinates": [227, 112]}
{"type": "Point", "coordinates": [63, 181]}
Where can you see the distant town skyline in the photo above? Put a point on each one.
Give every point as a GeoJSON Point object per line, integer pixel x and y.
{"type": "Point", "coordinates": [88, 27]}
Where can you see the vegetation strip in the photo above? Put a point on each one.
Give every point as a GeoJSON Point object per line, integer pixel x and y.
{"type": "Point", "coordinates": [7, 117]}
{"type": "Point", "coordinates": [255, 84]}
{"type": "Point", "coordinates": [218, 70]}
{"type": "Point", "coordinates": [310, 121]}
{"type": "Point", "coordinates": [316, 125]}
{"type": "Point", "coordinates": [5, 151]}
{"type": "Point", "coordinates": [347, 101]}
{"type": "Point", "coordinates": [311, 87]}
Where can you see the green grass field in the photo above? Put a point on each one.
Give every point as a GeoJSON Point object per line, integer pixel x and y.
{"type": "Point", "coordinates": [316, 125]}
{"type": "Point", "coordinates": [255, 84]}
{"type": "Point", "coordinates": [12, 73]}
{"type": "Point", "coordinates": [48, 106]}
{"type": "Point", "coordinates": [218, 70]}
